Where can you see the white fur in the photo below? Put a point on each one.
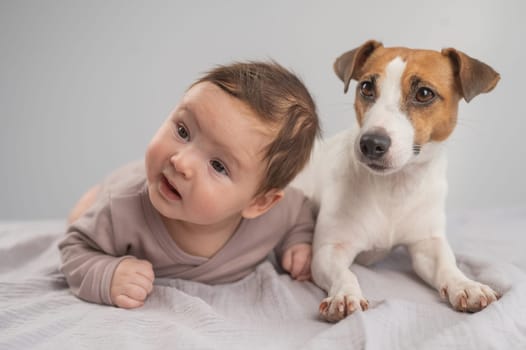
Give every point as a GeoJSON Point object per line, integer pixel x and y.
{"type": "Point", "coordinates": [362, 214]}
{"type": "Point", "coordinates": [386, 114]}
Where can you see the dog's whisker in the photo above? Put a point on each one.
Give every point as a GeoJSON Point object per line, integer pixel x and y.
{"type": "Point", "coordinates": [416, 149]}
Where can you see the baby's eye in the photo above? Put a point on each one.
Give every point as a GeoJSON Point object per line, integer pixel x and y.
{"type": "Point", "coordinates": [219, 167]}
{"type": "Point", "coordinates": [183, 132]}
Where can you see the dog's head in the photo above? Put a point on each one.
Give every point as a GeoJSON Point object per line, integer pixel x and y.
{"type": "Point", "coordinates": [407, 99]}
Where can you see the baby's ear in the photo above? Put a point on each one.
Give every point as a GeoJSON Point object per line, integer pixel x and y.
{"type": "Point", "coordinates": [262, 203]}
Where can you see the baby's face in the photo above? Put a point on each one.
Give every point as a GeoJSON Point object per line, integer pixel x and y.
{"type": "Point", "coordinates": [204, 165]}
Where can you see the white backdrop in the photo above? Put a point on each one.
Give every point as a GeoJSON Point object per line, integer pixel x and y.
{"type": "Point", "coordinates": [85, 84]}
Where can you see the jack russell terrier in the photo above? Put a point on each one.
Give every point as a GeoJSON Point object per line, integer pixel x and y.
{"type": "Point", "coordinates": [383, 184]}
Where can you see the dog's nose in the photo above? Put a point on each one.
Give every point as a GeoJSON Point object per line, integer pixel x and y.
{"type": "Point", "coordinates": [374, 146]}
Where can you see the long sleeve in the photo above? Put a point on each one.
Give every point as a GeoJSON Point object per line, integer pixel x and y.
{"type": "Point", "coordinates": [89, 255]}
{"type": "Point", "coordinates": [301, 216]}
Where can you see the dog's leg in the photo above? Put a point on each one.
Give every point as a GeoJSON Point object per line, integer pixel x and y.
{"type": "Point", "coordinates": [434, 261]}
{"type": "Point", "coordinates": [330, 270]}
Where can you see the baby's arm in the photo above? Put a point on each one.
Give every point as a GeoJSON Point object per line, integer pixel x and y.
{"type": "Point", "coordinates": [295, 250]}
{"type": "Point", "coordinates": [296, 261]}
{"type": "Point", "coordinates": [97, 268]}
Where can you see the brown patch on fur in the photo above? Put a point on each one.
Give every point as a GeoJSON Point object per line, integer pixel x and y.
{"type": "Point", "coordinates": [434, 121]}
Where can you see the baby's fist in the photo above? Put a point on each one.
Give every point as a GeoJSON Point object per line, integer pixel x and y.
{"type": "Point", "coordinates": [132, 282]}
{"type": "Point", "coordinates": [296, 261]}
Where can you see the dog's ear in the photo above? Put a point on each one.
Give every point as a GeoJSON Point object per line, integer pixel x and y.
{"type": "Point", "coordinates": [473, 76]}
{"type": "Point", "coordinates": [348, 64]}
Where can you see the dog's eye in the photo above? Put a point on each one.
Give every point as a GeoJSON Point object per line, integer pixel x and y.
{"type": "Point", "coordinates": [367, 89]}
{"type": "Point", "coordinates": [424, 95]}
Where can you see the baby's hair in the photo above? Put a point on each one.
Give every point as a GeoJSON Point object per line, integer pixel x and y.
{"type": "Point", "coordinates": [279, 98]}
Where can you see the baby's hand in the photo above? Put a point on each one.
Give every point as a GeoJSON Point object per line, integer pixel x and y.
{"type": "Point", "coordinates": [132, 282]}
{"type": "Point", "coordinates": [296, 261]}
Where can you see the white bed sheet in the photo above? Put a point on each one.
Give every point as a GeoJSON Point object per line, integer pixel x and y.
{"type": "Point", "coordinates": [267, 310]}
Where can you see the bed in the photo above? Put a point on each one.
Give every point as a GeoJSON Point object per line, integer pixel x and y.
{"type": "Point", "coordinates": [268, 310]}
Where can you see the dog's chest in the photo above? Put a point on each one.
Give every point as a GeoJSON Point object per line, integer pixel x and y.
{"type": "Point", "coordinates": [388, 210]}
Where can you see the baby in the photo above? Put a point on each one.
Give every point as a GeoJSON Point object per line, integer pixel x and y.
{"type": "Point", "coordinates": [210, 201]}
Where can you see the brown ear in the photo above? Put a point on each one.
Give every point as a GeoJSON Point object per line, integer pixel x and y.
{"type": "Point", "coordinates": [348, 64]}
{"type": "Point", "coordinates": [474, 77]}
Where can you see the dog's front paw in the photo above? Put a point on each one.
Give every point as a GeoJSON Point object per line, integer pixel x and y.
{"type": "Point", "coordinates": [335, 308]}
{"type": "Point", "coordinates": [469, 296]}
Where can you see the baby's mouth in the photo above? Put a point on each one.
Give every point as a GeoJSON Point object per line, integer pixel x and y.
{"type": "Point", "coordinates": [170, 188]}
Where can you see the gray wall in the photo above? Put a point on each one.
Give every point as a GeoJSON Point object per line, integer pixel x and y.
{"type": "Point", "coordinates": [85, 84]}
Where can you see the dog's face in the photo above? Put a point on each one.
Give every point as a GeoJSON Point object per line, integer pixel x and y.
{"type": "Point", "coordinates": [407, 99]}
{"type": "Point", "coordinates": [404, 99]}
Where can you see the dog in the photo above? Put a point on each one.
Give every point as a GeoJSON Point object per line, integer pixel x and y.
{"type": "Point", "coordinates": [383, 184]}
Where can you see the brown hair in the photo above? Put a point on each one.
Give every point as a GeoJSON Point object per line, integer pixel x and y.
{"type": "Point", "coordinates": [278, 97]}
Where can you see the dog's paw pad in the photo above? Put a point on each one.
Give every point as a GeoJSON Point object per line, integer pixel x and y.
{"type": "Point", "coordinates": [324, 306]}
{"type": "Point", "coordinates": [334, 309]}
{"type": "Point", "coordinates": [364, 304]}
{"type": "Point", "coordinates": [469, 296]}
{"type": "Point", "coordinates": [462, 302]}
